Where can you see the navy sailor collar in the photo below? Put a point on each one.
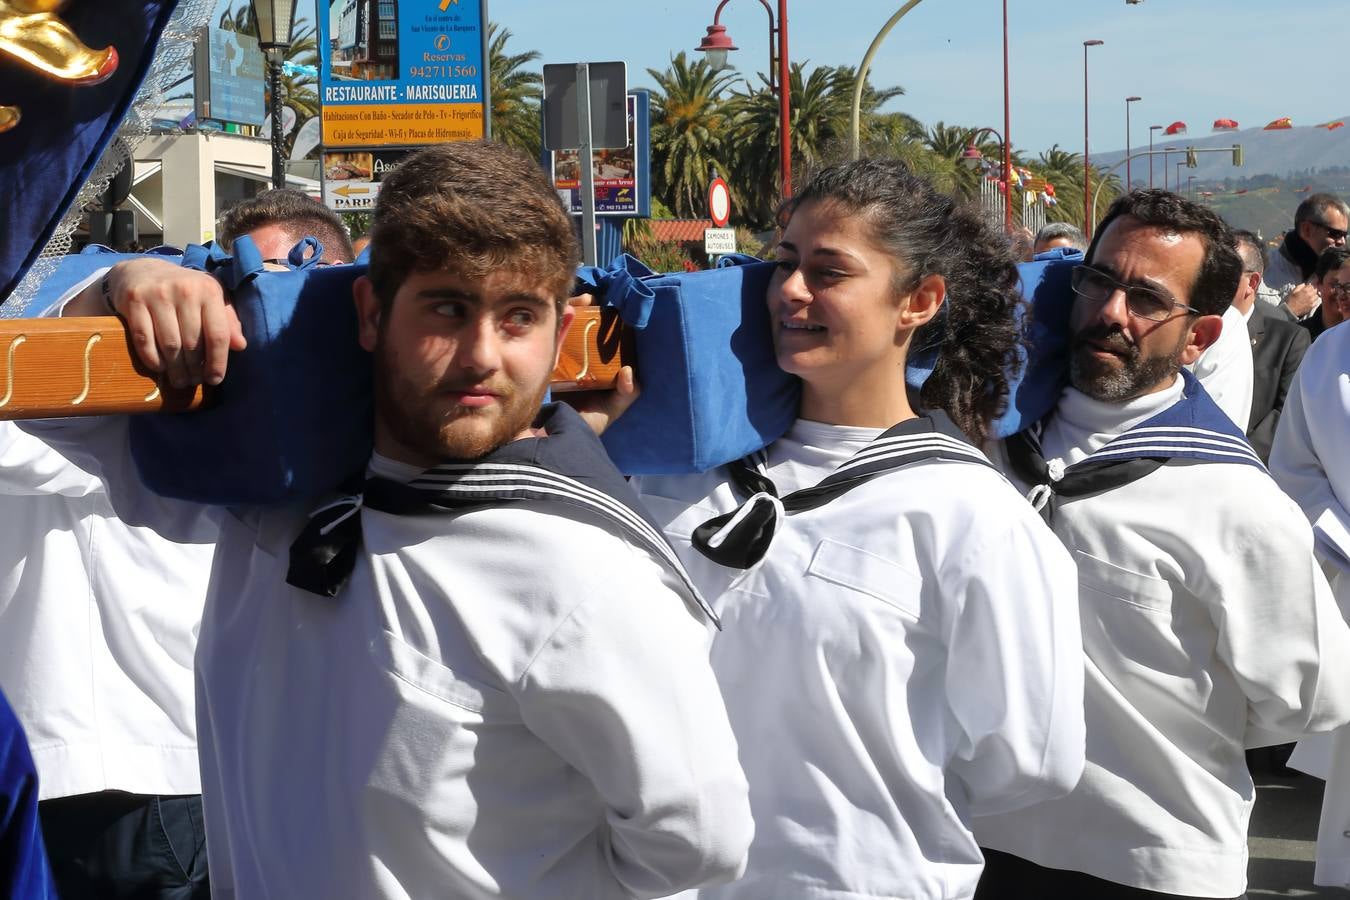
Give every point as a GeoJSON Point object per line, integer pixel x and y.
{"type": "Point", "coordinates": [741, 538]}
{"type": "Point", "coordinates": [567, 466]}
{"type": "Point", "coordinates": [1193, 428]}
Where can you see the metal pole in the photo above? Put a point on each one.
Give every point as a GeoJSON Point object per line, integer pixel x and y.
{"type": "Point", "coordinates": [1007, 132]}
{"type": "Point", "coordinates": [1151, 129]}
{"type": "Point", "coordinates": [1127, 145]}
{"type": "Point", "coordinates": [784, 102]}
{"type": "Point", "coordinates": [278, 138]}
{"type": "Point", "coordinates": [862, 74]}
{"type": "Point", "coordinates": [1178, 182]}
{"type": "Point", "coordinates": [1087, 162]}
{"type": "Point", "coordinates": [586, 162]}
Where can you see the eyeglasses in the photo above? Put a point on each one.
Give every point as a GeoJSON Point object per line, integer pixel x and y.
{"type": "Point", "coordinates": [1141, 302]}
{"type": "Point", "coordinates": [1342, 288]}
{"type": "Point", "coordinates": [1336, 234]}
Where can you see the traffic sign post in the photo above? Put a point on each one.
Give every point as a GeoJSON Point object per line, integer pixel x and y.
{"type": "Point", "coordinates": [719, 202]}
{"type": "Point", "coordinates": [572, 85]}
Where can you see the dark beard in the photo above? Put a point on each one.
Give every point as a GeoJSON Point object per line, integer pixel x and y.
{"type": "Point", "coordinates": [409, 412]}
{"type": "Point", "coordinates": [1136, 375]}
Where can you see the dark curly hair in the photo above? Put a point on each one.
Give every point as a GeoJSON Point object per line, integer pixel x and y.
{"type": "Point", "coordinates": [471, 207]}
{"type": "Point", "coordinates": [1221, 270]}
{"type": "Point", "coordinates": [926, 232]}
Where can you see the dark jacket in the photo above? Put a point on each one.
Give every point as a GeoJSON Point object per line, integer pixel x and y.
{"type": "Point", "coordinates": [1278, 346]}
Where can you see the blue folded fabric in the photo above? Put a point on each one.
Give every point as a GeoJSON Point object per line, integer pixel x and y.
{"type": "Point", "coordinates": [711, 388]}
{"type": "Point", "coordinates": [294, 413]}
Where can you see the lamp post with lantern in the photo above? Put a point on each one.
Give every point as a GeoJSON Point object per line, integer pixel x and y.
{"type": "Point", "coordinates": [973, 158]}
{"type": "Point", "coordinates": [274, 19]}
{"type": "Point", "coordinates": [716, 43]}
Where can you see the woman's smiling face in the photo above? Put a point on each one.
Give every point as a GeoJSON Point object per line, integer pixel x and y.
{"type": "Point", "coordinates": [833, 302]}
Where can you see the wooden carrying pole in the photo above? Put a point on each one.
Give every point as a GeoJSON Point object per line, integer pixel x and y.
{"type": "Point", "coordinates": [85, 367]}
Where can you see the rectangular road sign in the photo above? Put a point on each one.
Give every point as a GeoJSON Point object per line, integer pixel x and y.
{"type": "Point", "coordinates": [400, 73]}
{"type": "Point", "coordinates": [351, 178]}
{"type": "Point", "coordinates": [718, 241]}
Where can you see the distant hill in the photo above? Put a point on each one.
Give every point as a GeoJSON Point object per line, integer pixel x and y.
{"type": "Point", "coordinates": [1281, 168]}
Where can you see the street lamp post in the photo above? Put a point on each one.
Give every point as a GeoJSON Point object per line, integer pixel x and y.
{"type": "Point", "coordinates": [1007, 132]}
{"type": "Point", "coordinates": [1178, 181]}
{"type": "Point", "coordinates": [861, 81]}
{"type": "Point", "coordinates": [1151, 129]}
{"type": "Point", "coordinates": [1087, 165]}
{"type": "Point", "coordinates": [274, 18]}
{"type": "Point", "coordinates": [1128, 101]}
{"type": "Point", "coordinates": [972, 157]}
{"type": "Point", "coordinates": [717, 42]}
{"type": "Point", "coordinates": [1167, 158]}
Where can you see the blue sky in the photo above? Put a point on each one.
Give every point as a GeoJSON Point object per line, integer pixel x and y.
{"type": "Point", "coordinates": [1194, 60]}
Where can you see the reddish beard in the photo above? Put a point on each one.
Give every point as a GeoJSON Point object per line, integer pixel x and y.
{"type": "Point", "coordinates": [426, 420]}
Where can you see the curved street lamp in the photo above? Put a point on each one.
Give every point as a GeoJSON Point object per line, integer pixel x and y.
{"type": "Point", "coordinates": [1087, 165]}
{"type": "Point", "coordinates": [717, 43]}
{"type": "Point", "coordinates": [973, 158]}
{"type": "Point", "coordinates": [866, 67]}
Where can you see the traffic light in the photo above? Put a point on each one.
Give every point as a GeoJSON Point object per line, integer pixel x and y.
{"type": "Point", "coordinates": [1238, 158]}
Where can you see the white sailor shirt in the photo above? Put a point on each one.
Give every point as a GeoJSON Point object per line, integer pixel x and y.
{"type": "Point", "coordinates": [98, 626]}
{"type": "Point", "coordinates": [1207, 626]}
{"type": "Point", "coordinates": [906, 656]}
{"type": "Point", "coordinates": [501, 702]}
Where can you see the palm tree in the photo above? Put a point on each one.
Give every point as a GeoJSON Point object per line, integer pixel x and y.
{"type": "Point", "coordinates": [515, 93]}
{"type": "Point", "coordinates": [689, 123]}
{"type": "Point", "coordinates": [821, 113]}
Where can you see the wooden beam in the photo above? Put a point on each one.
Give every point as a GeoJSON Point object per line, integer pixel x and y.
{"type": "Point", "coordinates": [86, 367]}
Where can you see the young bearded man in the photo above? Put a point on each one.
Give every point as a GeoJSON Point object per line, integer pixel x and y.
{"type": "Point", "coordinates": [480, 672]}
{"type": "Point", "coordinates": [1207, 624]}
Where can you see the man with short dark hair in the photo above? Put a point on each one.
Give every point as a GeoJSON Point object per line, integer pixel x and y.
{"type": "Point", "coordinates": [1277, 347]}
{"type": "Point", "coordinates": [278, 219]}
{"type": "Point", "coordinates": [1206, 620]}
{"type": "Point", "coordinates": [1057, 235]}
{"type": "Point", "coordinates": [478, 670]}
{"type": "Point", "coordinates": [1320, 222]}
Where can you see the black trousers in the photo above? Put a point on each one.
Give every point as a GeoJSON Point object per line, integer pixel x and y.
{"type": "Point", "coordinates": [1008, 877]}
{"type": "Point", "coordinates": [117, 846]}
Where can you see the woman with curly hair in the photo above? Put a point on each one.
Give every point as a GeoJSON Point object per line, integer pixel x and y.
{"type": "Point", "coordinates": [900, 648]}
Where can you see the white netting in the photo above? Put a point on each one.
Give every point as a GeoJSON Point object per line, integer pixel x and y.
{"type": "Point", "coordinates": [172, 58]}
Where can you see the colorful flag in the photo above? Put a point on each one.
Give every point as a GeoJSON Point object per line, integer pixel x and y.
{"type": "Point", "coordinates": [1225, 125]}
{"type": "Point", "coordinates": [1175, 129]}
{"type": "Point", "coordinates": [1331, 126]}
{"type": "Point", "coordinates": [1280, 125]}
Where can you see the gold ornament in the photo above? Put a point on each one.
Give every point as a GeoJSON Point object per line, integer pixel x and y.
{"type": "Point", "coordinates": [32, 33]}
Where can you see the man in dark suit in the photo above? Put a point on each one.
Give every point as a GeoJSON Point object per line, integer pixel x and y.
{"type": "Point", "coordinates": [1278, 346]}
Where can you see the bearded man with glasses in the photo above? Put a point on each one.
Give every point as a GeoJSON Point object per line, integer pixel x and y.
{"type": "Point", "coordinates": [1207, 624]}
{"type": "Point", "coordinates": [1320, 223]}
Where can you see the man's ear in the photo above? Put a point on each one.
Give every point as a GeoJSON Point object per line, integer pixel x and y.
{"type": "Point", "coordinates": [923, 303]}
{"type": "Point", "coordinates": [1204, 332]}
{"type": "Point", "coordinates": [367, 312]}
{"type": "Point", "coordinates": [564, 323]}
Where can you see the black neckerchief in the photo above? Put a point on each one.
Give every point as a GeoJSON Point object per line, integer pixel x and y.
{"type": "Point", "coordinates": [741, 538]}
{"type": "Point", "coordinates": [568, 467]}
